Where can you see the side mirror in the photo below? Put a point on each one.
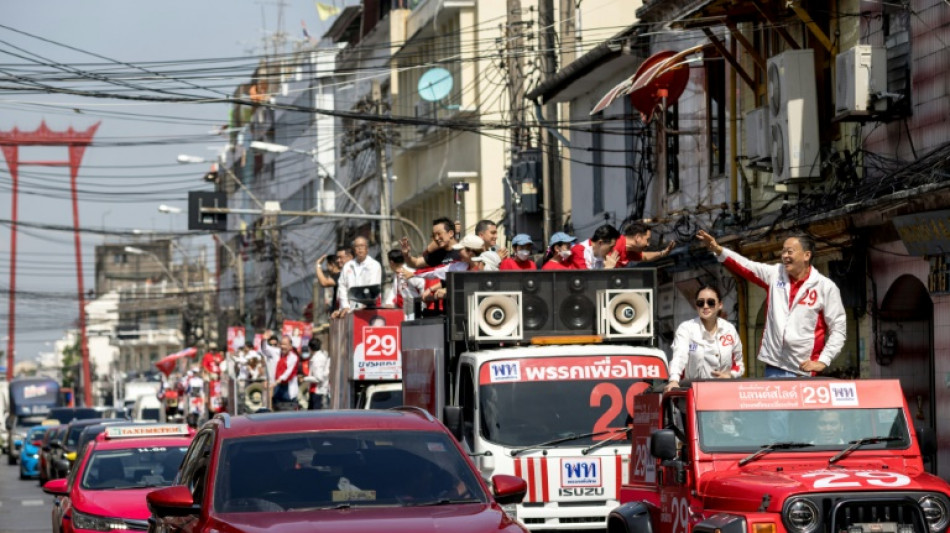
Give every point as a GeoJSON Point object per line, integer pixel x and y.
{"type": "Point", "coordinates": [452, 417]}
{"type": "Point", "coordinates": [508, 489]}
{"type": "Point", "coordinates": [663, 444]}
{"type": "Point", "coordinates": [56, 487]}
{"type": "Point", "coordinates": [927, 440]}
{"type": "Point", "coordinates": [172, 501]}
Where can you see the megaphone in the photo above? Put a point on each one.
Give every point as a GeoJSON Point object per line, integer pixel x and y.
{"type": "Point", "coordinates": [625, 313]}
{"type": "Point", "coordinates": [495, 316]}
{"type": "Point", "coordinates": [254, 397]}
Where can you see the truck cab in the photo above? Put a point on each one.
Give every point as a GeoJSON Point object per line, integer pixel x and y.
{"type": "Point", "coordinates": [537, 373]}
{"type": "Point", "coordinates": [779, 456]}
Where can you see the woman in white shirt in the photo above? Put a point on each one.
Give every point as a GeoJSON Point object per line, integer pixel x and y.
{"type": "Point", "coordinates": [707, 346]}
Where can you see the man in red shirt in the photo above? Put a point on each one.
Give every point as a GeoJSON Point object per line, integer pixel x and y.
{"type": "Point", "coordinates": [521, 259]}
{"type": "Point", "coordinates": [597, 252]}
{"type": "Point", "coordinates": [631, 246]}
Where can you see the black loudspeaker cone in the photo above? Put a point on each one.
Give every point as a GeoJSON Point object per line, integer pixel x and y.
{"type": "Point", "coordinates": [576, 312]}
{"type": "Point", "coordinates": [534, 312]}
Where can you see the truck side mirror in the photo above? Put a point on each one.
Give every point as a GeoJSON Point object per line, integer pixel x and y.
{"type": "Point", "coordinates": [663, 444]}
{"type": "Point", "coordinates": [452, 417]}
{"type": "Point", "coordinates": [927, 440]}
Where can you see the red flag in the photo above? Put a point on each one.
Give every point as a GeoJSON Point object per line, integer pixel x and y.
{"type": "Point", "coordinates": [167, 363]}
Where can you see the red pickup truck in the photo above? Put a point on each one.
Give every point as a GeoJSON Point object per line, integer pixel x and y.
{"type": "Point", "coordinates": [779, 456]}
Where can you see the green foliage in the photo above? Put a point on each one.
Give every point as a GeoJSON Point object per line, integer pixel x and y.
{"type": "Point", "coordinates": [71, 359]}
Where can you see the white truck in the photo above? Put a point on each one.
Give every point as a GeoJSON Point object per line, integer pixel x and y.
{"type": "Point", "coordinates": [536, 373]}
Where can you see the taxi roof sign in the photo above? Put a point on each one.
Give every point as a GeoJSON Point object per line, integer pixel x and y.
{"type": "Point", "coordinates": [149, 430]}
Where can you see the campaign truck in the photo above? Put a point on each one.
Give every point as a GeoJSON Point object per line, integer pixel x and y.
{"type": "Point", "coordinates": [536, 373]}
{"type": "Point", "coordinates": [779, 456]}
{"type": "Point", "coordinates": [364, 356]}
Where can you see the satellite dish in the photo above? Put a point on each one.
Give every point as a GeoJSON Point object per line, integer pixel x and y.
{"type": "Point", "coordinates": [662, 75]}
{"type": "Point", "coordinates": [435, 84]}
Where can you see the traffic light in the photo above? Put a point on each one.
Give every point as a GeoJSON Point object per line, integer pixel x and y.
{"type": "Point", "coordinates": [207, 221]}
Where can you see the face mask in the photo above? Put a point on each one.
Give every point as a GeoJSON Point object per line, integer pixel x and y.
{"type": "Point", "coordinates": [565, 254]}
{"type": "Point", "coordinates": [522, 254]}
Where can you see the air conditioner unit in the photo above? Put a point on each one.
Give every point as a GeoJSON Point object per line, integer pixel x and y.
{"type": "Point", "coordinates": [757, 137]}
{"type": "Point", "coordinates": [625, 313]}
{"type": "Point", "coordinates": [861, 73]}
{"type": "Point", "coordinates": [495, 316]}
{"type": "Point", "coordinates": [425, 110]}
{"type": "Point", "coordinates": [793, 116]}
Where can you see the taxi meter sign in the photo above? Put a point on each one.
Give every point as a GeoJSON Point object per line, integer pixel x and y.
{"type": "Point", "coordinates": [159, 430]}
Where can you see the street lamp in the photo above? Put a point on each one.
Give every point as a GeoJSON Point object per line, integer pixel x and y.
{"type": "Point", "coordinates": [138, 251]}
{"type": "Point", "coordinates": [169, 209]}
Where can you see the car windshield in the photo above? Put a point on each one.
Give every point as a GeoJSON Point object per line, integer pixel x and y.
{"type": "Point", "coordinates": [343, 469]}
{"type": "Point", "coordinates": [150, 466]}
{"type": "Point", "coordinates": [36, 433]}
{"type": "Point", "coordinates": [824, 429]}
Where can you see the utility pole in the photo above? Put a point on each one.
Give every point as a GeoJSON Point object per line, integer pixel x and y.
{"type": "Point", "coordinates": [385, 224]}
{"type": "Point", "coordinates": [515, 64]}
{"type": "Point", "coordinates": [552, 160]}
{"type": "Point", "coordinates": [278, 296]}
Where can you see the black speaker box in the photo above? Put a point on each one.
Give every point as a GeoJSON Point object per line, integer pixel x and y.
{"type": "Point", "coordinates": [554, 302]}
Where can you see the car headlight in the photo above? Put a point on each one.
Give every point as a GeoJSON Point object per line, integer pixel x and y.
{"type": "Point", "coordinates": [935, 511]}
{"type": "Point", "coordinates": [801, 516]}
{"type": "Point", "coordinates": [97, 523]}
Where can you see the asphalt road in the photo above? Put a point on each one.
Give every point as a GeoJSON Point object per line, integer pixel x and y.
{"type": "Point", "coordinates": [24, 507]}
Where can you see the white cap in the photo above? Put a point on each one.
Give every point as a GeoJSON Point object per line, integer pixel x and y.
{"type": "Point", "coordinates": [473, 242]}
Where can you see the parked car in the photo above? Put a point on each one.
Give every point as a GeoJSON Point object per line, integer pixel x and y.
{"type": "Point", "coordinates": [115, 471]}
{"type": "Point", "coordinates": [358, 470]}
{"type": "Point", "coordinates": [67, 456]}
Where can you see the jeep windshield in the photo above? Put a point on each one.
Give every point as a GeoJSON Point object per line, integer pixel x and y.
{"type": "Point", "coordinates": [749, 431]}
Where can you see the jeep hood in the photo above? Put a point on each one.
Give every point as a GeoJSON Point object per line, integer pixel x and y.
{"type": "Point", "coordinates": [745, 490]}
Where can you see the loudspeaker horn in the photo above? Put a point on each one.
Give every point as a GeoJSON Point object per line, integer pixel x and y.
{"type": "Point", "coordinates": [625, 313]}
{"type": "Point", "coordinates": [495, 316]}
{"type": "Point", "coordinates": [254, 397]}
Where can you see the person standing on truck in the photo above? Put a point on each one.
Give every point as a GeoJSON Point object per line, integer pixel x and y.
{"type": "Point", "coordinates": [707, 346]}
{"type": "Point", "coordinates": [597, 252]}
{"type": "Point", "coordinates": [488, 231]}
{"type": "Point", "coordinates": [558, 256]}
{"type": "Point", "coordinates": [805, 325]}
{"type": "Point", "coordinates": [521, 259]}
{"type": "Point", "coordinates": [631, 246]}
{"type": "Point", "coordinates": [361, 271]}
{"type": "Point", "coordinates": [469, 249]}
{"type": "Point", "coordinates": [440, 249]}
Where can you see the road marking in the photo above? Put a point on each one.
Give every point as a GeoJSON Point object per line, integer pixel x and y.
{"type": "Point", "coordinates": [31, 503]}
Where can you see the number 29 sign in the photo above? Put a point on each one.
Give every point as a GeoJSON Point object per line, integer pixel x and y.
{"type": "Point", "coordinates": [376, 343]}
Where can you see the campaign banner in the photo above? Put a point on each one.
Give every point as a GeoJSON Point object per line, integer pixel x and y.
{"type": "Point", "coordinates": [730, 395]}
{"type": "Point", "coordinates": [298, 331]}
{"type": "Point", "coordinates": [377, 342]}
{"type": "Point", "coordinates": [167, 364]}
{"type": "Point", "coordinates": [572, 369]}
{"type": "Point", "coordinates": [235, 339]}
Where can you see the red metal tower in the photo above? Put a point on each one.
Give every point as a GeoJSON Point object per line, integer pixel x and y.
{"type": "Point", "coordinates": [10, 143]}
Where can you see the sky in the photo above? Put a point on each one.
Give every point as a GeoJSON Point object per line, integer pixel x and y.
{"type": "Point", "coordinates": [209, 46]}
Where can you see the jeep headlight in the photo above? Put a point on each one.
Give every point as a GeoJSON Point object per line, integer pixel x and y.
{"type": "Point", "coordinates": [935, 511]}
{"type": "Point", "coordinates": [96, 523]}
{"type": "Point", "coordinates": [801, 516]}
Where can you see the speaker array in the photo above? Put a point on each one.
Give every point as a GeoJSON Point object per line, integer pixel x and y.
{"type": "Point", "coordinates": [617, 304]}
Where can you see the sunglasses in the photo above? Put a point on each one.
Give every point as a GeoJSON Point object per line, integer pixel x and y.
{"type": "Point", "coordinates": [708, 302]}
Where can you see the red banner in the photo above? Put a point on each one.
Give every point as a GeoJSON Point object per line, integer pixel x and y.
{"type": "Point", "coordinates": [235, 338]}
{"type": "Point", "coordinates": [728, 395]}
{"type": "Point", "coordinates": [299, 333]}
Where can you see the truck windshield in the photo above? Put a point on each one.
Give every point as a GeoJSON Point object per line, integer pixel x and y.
{"type": "Point", "coordinates": [526, 413]}
{"type": "Point", "coordinates": [824, 429]}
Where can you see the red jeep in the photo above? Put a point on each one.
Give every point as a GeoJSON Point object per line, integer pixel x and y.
{"type": "Point", "coordinates": [777, 456]}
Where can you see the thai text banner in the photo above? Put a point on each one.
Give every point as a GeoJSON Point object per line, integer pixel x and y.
{"type": "Point", "coordinates": [797, 394]}
{"type": "Point", "coordinates": [572, 369]}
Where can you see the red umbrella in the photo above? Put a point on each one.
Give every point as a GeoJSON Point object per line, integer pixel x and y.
{"type": "Point", "coordinates": [167, 363]}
